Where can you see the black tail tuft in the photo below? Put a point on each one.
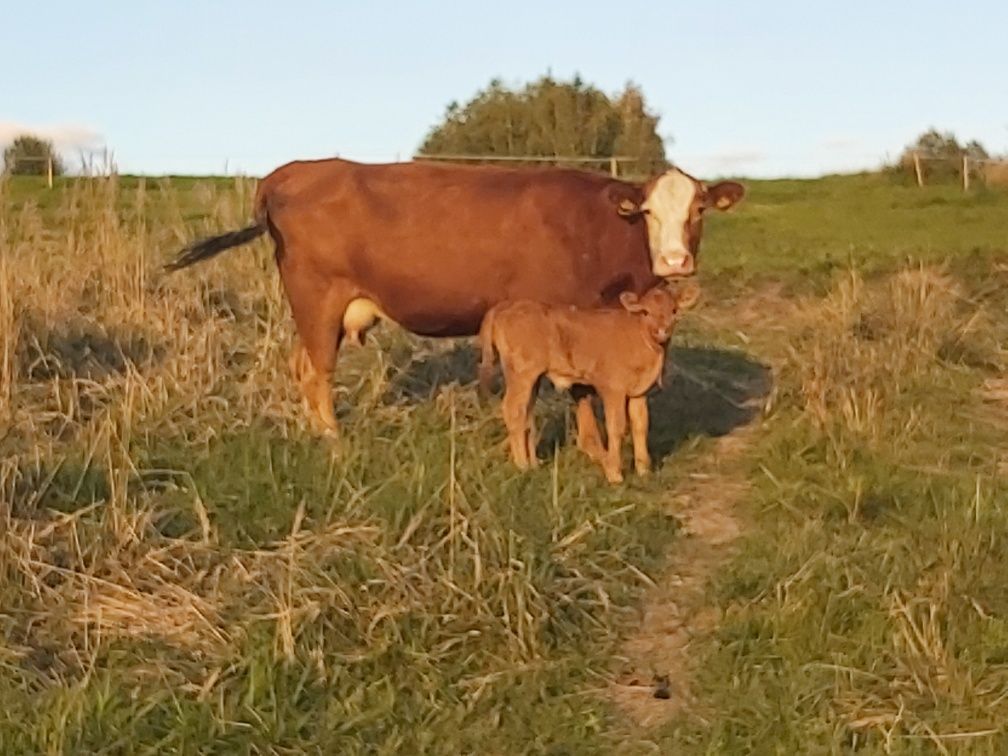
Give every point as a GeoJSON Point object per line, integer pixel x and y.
{"type": "Point", "coordinates": [207, 248]}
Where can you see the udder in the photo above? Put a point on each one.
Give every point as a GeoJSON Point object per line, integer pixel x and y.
{"type": "Point", "coordinates": [360, 315]}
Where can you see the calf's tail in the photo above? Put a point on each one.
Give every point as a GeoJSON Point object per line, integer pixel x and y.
{"type": "Point", "coordinates": [486, 368]}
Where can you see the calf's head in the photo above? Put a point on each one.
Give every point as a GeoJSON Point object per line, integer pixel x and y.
{"type": "Point", "coordinates": [673, 208]}
{"type": "Point", "coordinates": [660, 308]}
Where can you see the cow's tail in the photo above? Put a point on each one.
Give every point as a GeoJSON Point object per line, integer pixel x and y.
{"type": "Point", "coordinates": [204, 249]}
{"type": "Point", "coordinates": [486, 368]}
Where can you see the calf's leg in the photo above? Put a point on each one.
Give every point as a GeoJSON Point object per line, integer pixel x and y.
{"type": "Point", "coordinates": [615, 403]}
{"type": "Point", "coordinates": [588, 439]}
{"type": "Point", "coordinates": [515, 408]}
{"type": "Point", "coordinates": [638, 408]}
{"type": "Point", "coordinates": [532, 438]}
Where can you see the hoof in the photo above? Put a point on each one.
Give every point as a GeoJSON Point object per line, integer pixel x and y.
{"type": "Point", "coordinates": [520, 463]}
{"type": "Point", "coordinates": [327, 428]}
{"type": "Point", "coordinates": [595, 455]}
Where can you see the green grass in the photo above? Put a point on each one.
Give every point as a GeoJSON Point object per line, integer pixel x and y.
{"type": "Point", "coordinates": [804, 231]}
{"type": "Point", "coordinates": [185, 567]}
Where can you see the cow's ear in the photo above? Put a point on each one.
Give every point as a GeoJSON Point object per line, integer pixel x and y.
{"type": "Point", "coordinates": [628, 208]}
{"type": "Point", "coordinates": [688, 296]}
{"type": "Point", "coordinates": [630, 302]}
{"type": "Point", "coordinates": [626, 203]}
{"type": "Point", "coordinates": [724, 194]}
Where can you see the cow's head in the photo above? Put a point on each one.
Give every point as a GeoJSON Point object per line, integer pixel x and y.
{"type": "Point", "coordinates": [660, 307]}
{"type": "Point", "coordinates": [673, 207]}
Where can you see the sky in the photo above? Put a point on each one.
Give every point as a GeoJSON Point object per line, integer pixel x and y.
{"type": "Point", "coordinates": [762, 88]}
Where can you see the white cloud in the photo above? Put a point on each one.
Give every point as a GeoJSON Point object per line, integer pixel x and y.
{"type": "Point", "coordinates": [735, 158]}
{"type": "Point", "coordinates": [842, 144]}
{"type": "Point", "coordinates": [66, 137]}
{"type": "Point", "coordinates": [723, 162]}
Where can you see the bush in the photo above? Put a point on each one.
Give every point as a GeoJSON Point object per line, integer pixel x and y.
{"type": "Point", "coordinates": [940, 155]}
{"type": "Point", "coordinates": [550, 118]}
{"type": "Point", "coordinates": [28, 155]}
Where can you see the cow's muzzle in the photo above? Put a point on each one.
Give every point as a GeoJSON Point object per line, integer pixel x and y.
{"type": "Point", "coordinates": [678, 266]}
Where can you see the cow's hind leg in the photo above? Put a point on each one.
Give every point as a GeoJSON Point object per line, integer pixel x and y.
{"type": "Point", "coordinates": [299, 367]}
{"type": "Point", "coordinates": [318, 309]}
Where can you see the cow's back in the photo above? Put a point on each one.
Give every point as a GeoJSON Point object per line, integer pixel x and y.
{"type": "Point", "coordinates": [434, 246]}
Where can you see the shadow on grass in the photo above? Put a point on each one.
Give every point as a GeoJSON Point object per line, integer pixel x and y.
{"type": "Point", "coordinates": [707, 391]}
{"type": "Point", "coordinates": [81, 348]}
{"type": "Point", "coordinates": [428, 368]}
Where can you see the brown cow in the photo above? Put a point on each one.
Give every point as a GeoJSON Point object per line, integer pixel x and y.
{"type": "Point", "coordinates": [433, 247]}
{"type": "Point", "coordinates": [620, 352]}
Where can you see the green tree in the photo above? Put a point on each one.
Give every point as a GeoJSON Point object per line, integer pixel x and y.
{"type": "Point", "coordinates": [550, 118]}
{"type": "Point", "coordinates": [27, 156]}
{"type": "Point", "coordinates": [638, 134]}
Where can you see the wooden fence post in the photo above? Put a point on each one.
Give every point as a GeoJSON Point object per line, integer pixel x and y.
{"type": "Point", "coordinates": [49, 170]}
{"type": "Point", "coordinates": [613, 167]}
{"type": "Point", "coordinates": [917, 169]}
{"type": "Point", "coordinates": [965, 169]}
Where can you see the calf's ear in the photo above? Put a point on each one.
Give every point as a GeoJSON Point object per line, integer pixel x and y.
{"type": "Point", "coordinates": [724, 194]}
{"type": "Point", "coordinates": [630, 302]}
{"type": "Point", "coordinates": [689, 296]}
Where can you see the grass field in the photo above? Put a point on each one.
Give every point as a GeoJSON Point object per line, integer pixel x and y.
{"type": "Point", "coordinates": [185, 567]}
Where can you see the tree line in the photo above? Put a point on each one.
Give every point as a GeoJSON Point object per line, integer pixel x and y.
{"type": "Point", "coordinates": [551, 118]}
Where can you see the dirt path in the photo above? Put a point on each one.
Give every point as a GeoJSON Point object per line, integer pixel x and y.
{"type": "Point", "coordinates": [719, 395]}
{"type": "Point", "coordinates": [654, 683]}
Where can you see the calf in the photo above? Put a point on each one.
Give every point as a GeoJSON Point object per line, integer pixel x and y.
{"type": "Point", "coordinates": [621, 352]}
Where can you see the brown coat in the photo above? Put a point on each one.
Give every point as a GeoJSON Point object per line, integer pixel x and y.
{"type": "Point", "coordinates": [620, 352]}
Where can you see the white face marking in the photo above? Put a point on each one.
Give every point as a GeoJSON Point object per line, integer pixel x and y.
{"type": "Point", "coordinates": [668, 205]}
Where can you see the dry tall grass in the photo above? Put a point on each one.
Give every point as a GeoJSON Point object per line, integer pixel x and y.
{"type": "Point", "coordinates": [862, 347]}
{"type": "Point", "coordinates": [97, 346]}
{"type": "Point", "coordinates": [402, 561]}
{"type": "Point", "coordinates": [995, 173]}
